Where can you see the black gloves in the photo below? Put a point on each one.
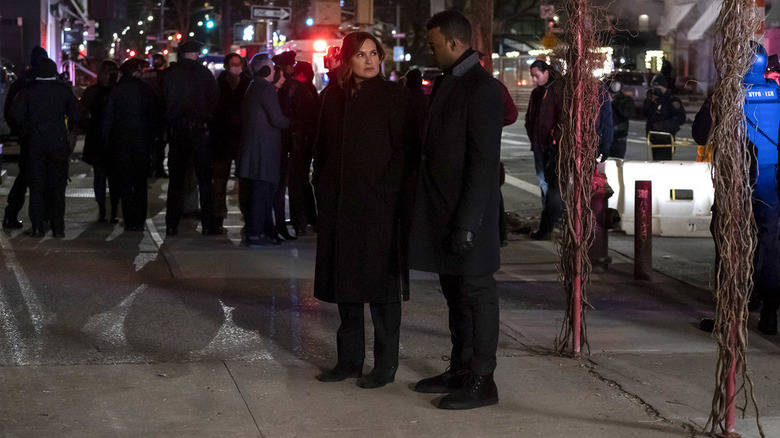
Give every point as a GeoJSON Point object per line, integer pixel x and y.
{"type": "Point", "coordinates": [461, 241]}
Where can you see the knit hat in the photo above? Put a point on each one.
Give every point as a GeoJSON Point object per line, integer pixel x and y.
{"type": "Point", "coordinates": [46, 69]}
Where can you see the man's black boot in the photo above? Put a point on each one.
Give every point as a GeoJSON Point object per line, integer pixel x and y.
{"type": "Point", "coordinates": [12, 223]}
{"type": "Point", "coordinates": [451, 380]}
{"type": "Point", "coordinates": [477, 392]}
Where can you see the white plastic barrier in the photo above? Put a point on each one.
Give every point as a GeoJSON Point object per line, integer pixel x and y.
{"type": "Point", "coordinates": [682, 195]}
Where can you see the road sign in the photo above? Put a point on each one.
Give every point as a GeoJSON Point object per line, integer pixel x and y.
{"type": "Point", "coordinates": [550, 41]}
{"type": "Point", "coordinates": [399, 35]}
{"type": "Point", "coordinates": [271, 13]}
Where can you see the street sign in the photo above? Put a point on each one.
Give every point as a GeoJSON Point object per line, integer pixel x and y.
{"type": "Point", "coordinates": [399, 35]}
{"type": "Point", "coordinates": [271, 13]}
{"type": "Point", "coordinates": [398, 53]}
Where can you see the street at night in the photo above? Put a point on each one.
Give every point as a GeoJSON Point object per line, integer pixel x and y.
{"type": "Point", "coordinates": [389, 218]}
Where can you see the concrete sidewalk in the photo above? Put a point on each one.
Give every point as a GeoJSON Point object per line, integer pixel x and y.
{"type": "Point", "coordinates": [650, 372]}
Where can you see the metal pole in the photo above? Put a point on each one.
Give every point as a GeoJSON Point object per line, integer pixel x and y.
{"type": "Point", "coordinates": [643, 230]}
{"type": "Point", "coordinates": [162, 20]}
{"type": "Point", "coordinates": [577, 287]}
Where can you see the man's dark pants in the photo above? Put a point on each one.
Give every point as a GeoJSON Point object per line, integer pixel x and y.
{"type": "Point", "coordinates": [261, 195]}
{"type": "Point", "coordinates": [19, 189]}
{"type": "Point", "coordinates": [189, 141]}
{"type": "Point", "coordinates": [473, 315]}
{"type": "Point", "coordinates": [48, 179]}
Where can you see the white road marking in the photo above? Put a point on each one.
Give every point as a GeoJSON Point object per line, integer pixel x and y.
{"type": "Point", "coordinates": [229, 337]}
{"type": "Point", "coordinates": [517, 142]}
{"type": "Point", "coordinates": [155, 234]}
{"type": "Point", "coordinates": [522, 185]}
{"type": "Point", "coordinates": [15, 340]}
{"type": "Point", "coordinates": [28, 293]}
{"type": "Point", "coordinates": [108, 327]}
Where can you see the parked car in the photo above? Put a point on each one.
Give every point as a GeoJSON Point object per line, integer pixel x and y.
{"type": "Point", "coordinates": [635, 84]}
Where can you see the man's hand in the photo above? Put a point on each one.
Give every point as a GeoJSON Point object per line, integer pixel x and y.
{"type": "Point", "coordinates": [461, 241]}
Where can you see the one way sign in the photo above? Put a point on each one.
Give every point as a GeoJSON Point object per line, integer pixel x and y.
{"type": "Point", "coordinates": [271, 12]}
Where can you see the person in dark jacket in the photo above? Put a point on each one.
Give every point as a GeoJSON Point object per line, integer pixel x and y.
{"type": "Point", "coordinates": [19, 189]}
{"type": "Point", "coordinates": [364, 149]}
{"type": "Point", "coordinates": [262, 122]}
{"type": "Point", "coordinates": [604, 126]}
{"type": "Point", "coordinates": [303, 129]}
{"type": "Point", "coordinates": [510, 116]}
{"type": "Point", "coordinates": [41, 109]}
{"type": "Point", "coordinates": [155, 77]}
{"type": "Point", "coordinates": [191, 95]}
{"type": "Point", "coordinates": [542, 122]}
{"type": "Point", "coordinates": [128, 128]}
{"type": "Point", "coordinates": [285, 64]}
{"type": "Point", "coordinates": [664, 112]}
{"type": "Point", "coordinates": [93, 102]}
{"type": "Point", "coordinates": [455, 219]}
{"type": "Point", "coordinates": [419, 99]}
{"type": "Point", "coordinates": [332, 62]}
{"type": "Point", "coordinates": [622, 110]}
{"type": "Point", "coordinates": [226, 129]}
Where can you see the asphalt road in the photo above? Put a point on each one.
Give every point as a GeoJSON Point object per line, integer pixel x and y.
{"type": "Point", "coordinates": [60, 300]}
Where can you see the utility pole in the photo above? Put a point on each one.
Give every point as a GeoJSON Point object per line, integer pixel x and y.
{"type": "Point", "coordinates": [482, 31]}
{"type": "Point", "coordinates": [162, 21]}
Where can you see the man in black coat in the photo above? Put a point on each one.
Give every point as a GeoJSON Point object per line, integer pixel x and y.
{"type": "Point", "coordinates": [455, 216]}
{"type": "Point", "coordinates": [18, 190]}
{"type": "Point", "coordinates": [191, 94]}
{"type": "Point", "coordinates": [40, 109]}
{"type": "Point", "coordinates": [129, 126]}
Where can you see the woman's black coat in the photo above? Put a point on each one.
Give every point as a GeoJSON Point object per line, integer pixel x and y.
{"type": "Point", "coordinates": [363, 157]}
{"type": "Point", "coordinates": [226, 125]}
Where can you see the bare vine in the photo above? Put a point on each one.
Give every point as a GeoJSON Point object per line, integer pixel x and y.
{"type": "Point", "coordinates": [735, 229]}
{"type": "Point", "coordinates": [577, 162]}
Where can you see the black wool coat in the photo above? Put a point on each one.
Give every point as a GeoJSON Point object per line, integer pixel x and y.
{"type": "Point", "coordinates": [40, 109]}
{"type": "Point", "coordinates": [459, 174]}
{"type": "Point", "coordinates": [363, 156]}
{"type": "Point", "coordinates": [226, 126]}
{"type": "Point", "coordinates": [262, 123]}
{"type": "Point", "coordinates": [129, 121]}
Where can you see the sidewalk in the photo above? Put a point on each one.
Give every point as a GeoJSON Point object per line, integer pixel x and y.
{"type": "Point", "coordinates": [650, 372]}
{"type": "Point", "coordinates": [199, 337]}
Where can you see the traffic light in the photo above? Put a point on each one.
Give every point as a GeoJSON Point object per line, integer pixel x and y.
{"type": "Point", "coordinates": [310, 22]}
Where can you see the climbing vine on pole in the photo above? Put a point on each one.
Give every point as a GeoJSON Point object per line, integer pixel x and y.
{"type": "Point", "coordinates": [734, 225]}
{"type": "Point", "coordinates": [576, 167]}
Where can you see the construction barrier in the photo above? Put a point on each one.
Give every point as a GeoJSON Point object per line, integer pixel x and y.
{"type": "Point", "coordinates": [682, 195]}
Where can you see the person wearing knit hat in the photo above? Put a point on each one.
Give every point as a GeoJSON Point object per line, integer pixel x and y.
{"type": "Point", "coordinates": [285, 61]}
{"type": "Point", "coordinates": [191, 46]}
{"type": "Point", "coordinates": [41, 109]}
{"type": "Point", "coordinates": [16, 196]}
